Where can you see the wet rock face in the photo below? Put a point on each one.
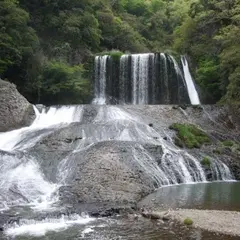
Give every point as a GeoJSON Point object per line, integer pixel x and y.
{"type": "Point", "coordinates": [95, 172]}
{"type": "Point", "coordinates": [15, 110]}
{"type": "Point", "coordinates": [106, 173]}
{"type": "Point", "coordinates": [103, 172]}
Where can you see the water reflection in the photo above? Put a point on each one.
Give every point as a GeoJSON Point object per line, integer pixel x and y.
{"type": "Point", "coordinates": [213, 196]}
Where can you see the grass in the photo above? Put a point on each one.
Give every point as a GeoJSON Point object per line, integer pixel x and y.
{"type": "Point", "coordinates": [188, 221]}
{"type": "Point", "coordinates": [228, 143]}
{"type": "Point", "coordinates": [217, 151]}
{"type": "Point", "coordinates": [189, 135]}
{"type": "Point", "coordinates": [114, 54]}
{"type": "Point", "coordinates": [234, 146]}
{"type": "Point", "coordinates": [206, 162]}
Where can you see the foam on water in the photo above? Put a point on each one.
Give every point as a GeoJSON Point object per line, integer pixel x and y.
{"type": "Point", "coordinates": [22, 182]}
{"type": "Point", "coordinates": [57, 115]}
{"type": "Point", "coordinates": [40, 228]}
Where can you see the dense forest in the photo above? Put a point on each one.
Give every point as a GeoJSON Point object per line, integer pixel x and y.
{"type": "Point", "coordinates": [47, 46]}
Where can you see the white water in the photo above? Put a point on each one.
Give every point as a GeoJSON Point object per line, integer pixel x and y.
{"type": "Point", "coordinates": [176, 166]}
{"type": "Point", "coordinates": [192, 92]}
{"type": "Point", "coordinates": [165, 81]}
{"type": "Point", "coordinates": [146, 78]}
{"type": "Point", "coordinates": [40, 228]}
{"type": "Point", "coordinates": [47, 119]}
{"type": "Point", "coordinates": [100, 79]}
{"type": "Point", "coordinates": [140, 77]}
{"type": "Point", "coordinates": [58, 115]}
{"type": "Point", "coordinates": [123, 78]}
{"type": "Point", "coordinates": [22, 181]}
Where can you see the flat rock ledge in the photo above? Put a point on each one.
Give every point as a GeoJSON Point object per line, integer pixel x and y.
{"type": "Point", "coordinates": [223, 222]}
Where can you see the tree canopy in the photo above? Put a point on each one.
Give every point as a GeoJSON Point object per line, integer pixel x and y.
{"type": "Point", "coordinates": [46, 46]}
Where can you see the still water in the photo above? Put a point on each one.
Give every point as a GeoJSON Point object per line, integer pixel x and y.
{"type": "Point", "coordinates": [211, 196]}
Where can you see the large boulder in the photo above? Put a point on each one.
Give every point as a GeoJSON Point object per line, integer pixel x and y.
{"type": "Point", "coordinates": [94, 172]}
{"type": "Point", "coordinates": [15, 110]}
{"type": "Point", "coordinates": [106, 172]}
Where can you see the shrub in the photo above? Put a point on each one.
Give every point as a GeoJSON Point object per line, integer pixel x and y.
{"type": "Point", "coordinates": [206, 162]}
{"type": "Point", "coordinates": [114, 54]}
{"type": "Point", "coordinates": [63, 84]}
{"type": "Point", "coordinates": [217, 151]}
{"type": "Point", "coordinates": [188, 221]}
{"type": "Point", "coordinates": [228, 143]}
{"type": "Point", "coordinates": [190, 135]}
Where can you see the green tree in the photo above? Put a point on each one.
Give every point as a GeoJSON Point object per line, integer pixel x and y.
{"type": "Point", "coordinates": [17, 39]}
{"type": "Point", "coordinates": [62, 84]}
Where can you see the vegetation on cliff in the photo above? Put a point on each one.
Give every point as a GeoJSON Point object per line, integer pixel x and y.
{"type": "Point", "coordinates": [189, 135]}
{"type": "Point", "coordinates": [39, 39]}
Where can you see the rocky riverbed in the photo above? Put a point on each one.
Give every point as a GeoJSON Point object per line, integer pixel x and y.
{"type": "Point", "coordinates": [224, 222]}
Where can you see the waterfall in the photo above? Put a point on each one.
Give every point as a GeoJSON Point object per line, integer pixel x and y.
{"type": "Point", "coordinates": [100, 79]}
{"type": "Point", "coordinates": [123, 84]}
{"type": "Point", "coordinates": [45, 122]}
{"type": "Point", "coordinates": [25, 185]}
{"type": "Point", "coordinates": [173, 166]}
{"type": "Point", "coordinates": [192, 92]}
{"type": "Point", "coordinates": [139, 79]}
{"type": "Point", "coordinates": [164, 78]}
{"type": "Point", "coordinates": [21, 178]}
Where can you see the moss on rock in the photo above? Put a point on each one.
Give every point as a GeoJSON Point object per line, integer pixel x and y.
{"type": "Point", "coordinates": [206, 162]}
{"type": "Point", "coordinates": [189, 135]}
{"type": "Point", "coordinates": [228, 143]}
{"type": "Point", "coordinates": [188, 221]}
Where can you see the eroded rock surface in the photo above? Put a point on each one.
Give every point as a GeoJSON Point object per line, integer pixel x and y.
{"type": "Point", "coordinates": [15, 110]}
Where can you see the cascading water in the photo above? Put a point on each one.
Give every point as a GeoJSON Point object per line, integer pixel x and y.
{"type": "Point", "coordinates": [140, 76]}
{"type": "Point", "coordinates": [100, 79]}
{"type": "Point", "coordinates": [173, 167]}
{"type": "Point", "coordinates": [44, 123]}
{"type": "Point", "coordinates": [23, 182]}
{"type": "Point", "coordinates": [142, 79]}
{"type": "Point", "coordinates": [192, 92]}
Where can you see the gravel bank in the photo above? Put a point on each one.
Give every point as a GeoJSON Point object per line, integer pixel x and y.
{"type": "Point", "coordinates": [224, 222]}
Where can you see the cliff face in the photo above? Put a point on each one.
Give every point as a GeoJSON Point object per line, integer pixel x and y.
{"type": "Point", "coordinates": [15, 110]}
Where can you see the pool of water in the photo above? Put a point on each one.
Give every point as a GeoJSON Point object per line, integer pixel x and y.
{"type": "Point", "coordinates": [211, 196]}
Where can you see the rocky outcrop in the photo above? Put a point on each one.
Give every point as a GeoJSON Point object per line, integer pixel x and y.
{"type": "Point", "coordinates": [106, 173]}
{"type": "Point", "coordinates": [15, 110]}
{"type": "Point", "coordinates": [103, 172]}
{"type": "Point", "coordinates": [97, 168]}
